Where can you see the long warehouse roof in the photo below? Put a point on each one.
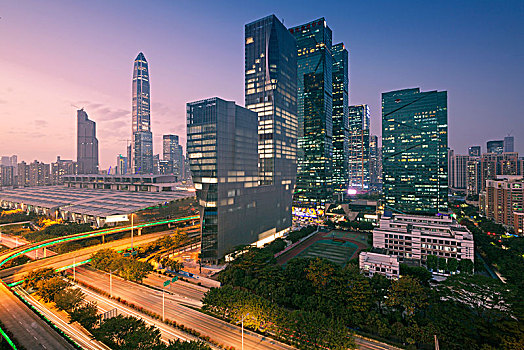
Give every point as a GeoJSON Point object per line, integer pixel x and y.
{"type": "Point", "coordinates": [93, 202]}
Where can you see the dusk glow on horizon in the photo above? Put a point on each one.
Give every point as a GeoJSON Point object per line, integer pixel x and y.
{"type": "Point", "coordinates": [61, 56]}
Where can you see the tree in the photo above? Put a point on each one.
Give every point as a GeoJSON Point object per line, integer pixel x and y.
{"type": "Point", "coordinates": [421, 273]}
{"type": "Point", "coordinates": [407, 294]}
{"type": "Point", "coordinates": [32, 278]}
{"type": "Point", "coordinates": [320, 272]}
{"type": "Point", "coordinates": [86, 315]}
{"type": "Point", "coordinates": [432, 262]}
{"type": "Point", "coordinates": [47, 289]}
{"type": "Point", "coordinates": [452, 265]}
{"type": "Point", "coordinates": [128, 333]}
{"type": "Point", "coordinates": [466, 266]}
{"type": "Point", "coordinates": [442, 264]}
{"type": "Point", "coordinates": [69, 299]}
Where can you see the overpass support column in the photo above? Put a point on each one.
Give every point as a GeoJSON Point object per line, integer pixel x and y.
{"type": "Point", "coordinates": [140, 231]}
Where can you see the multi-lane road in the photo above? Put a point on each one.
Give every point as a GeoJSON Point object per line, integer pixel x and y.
{"type": "Point", "coordinates": [151, 299]}
{"type": "Point", "coordinates": [29, 329]}
{"type": "Point", "coordinates": [74, 331]}
{"type": "Point", "coordinates": [16, 273]}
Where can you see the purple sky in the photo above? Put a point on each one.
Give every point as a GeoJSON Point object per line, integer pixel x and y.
{"type": "Point", "coordinates": [56, 54]}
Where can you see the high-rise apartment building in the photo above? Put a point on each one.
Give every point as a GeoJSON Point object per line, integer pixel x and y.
{"type": "Point", "coordinates": [235, 209]}
{"type": "Point", "coordinates": [457, 170]}
{"type": "Point", "coordinates": [473, 176]}
{"type": "Point", "coordinates": [340, 118]}
{"type": "Point", "coordinates": [496, 147]}
{"type": "Point", "coordinates": [23, 174]}
{"type": "Point", "coordinates": [509, 144]}
{"type": "Point", "coordinates": [7, 176]}
{"type": "Point", "coordinates": [39, 174]}
{"type": "Point", "coordinates": [142, 138]}
{"type": "Point", "coordinates": [414, 151]}
{"type": "Point", "coordinates": [474, 151]}
{"type": "Point", "coordinates": [315, 110]}
{"type": "Point", "coordinates": [87, 144]}
{"type": "Point", "coordinates": [503, 200]}
{"type": "Point", "coordinates": [494, 164]}
{"type": "Point", "coordinates": [62, 167]}
{"type": "Point", "coordinates": [121, 165]}
{"type": "Point", "coordinates": [359, 146]}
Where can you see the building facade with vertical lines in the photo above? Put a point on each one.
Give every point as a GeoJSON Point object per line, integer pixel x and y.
{"type": "Point", "coordinates": [415, 151]}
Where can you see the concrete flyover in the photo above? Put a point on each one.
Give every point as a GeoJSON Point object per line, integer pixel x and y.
{"type": "Point", "coordinates": [31, 331]}
{"type": "Point", "coordinates": [14, 253]}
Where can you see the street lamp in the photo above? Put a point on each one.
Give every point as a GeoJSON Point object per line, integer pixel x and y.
{"type": "Point", "coordinates": [111, 282]}
{"type": "Point", "coordinates": [132, 231]}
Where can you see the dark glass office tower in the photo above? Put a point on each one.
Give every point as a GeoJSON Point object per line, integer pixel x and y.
{"type": "Point", "coordinates": [87, 144]}
{"type": "Point", "coordinates": [414, 151]}
{"type": "Point", "coordinates": [359, 147]}
{"type": "Point", "coordinates": [474, 151]}
{"type": "Point", "coordinates": [222, 147]}
{"type": "Point", "coordinates": [142, 138]}
{"type": "Point", "coordinates": [495, 146]}
{"type": "Point", "coordinates": [340, 118]}
{"type": "Point", "coordinates": [509, 144]}
{"type": "Point", "coordinates": [271, 92]}
{"type": "Point", "coordinates": [315, 109]}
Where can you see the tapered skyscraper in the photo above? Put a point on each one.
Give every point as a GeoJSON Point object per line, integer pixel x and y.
{"type": "Point", "coordinates": [142, 138]}
{"type": "Point", "coordinates": [87, 144]}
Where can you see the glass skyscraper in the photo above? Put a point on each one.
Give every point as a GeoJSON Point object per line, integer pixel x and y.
{"type": "Point", "coordinates": [340, 118]}
{"type": "Point", "coordinates": [87, 144]}
{"type": "Point", "coordinates": [271, 91]}
{"type": "Point", "coordinates": [173, 154]}
{"type": "Point", "coordinates": [415, 150]}
{"type": "Point", "coordinates": [235, 209]}
{"type": "Point", "coordinates": [495, 146]}
{"type": "Point", "coordinates": [142, 138]}
{"type": "Point", "coordinates": [315, 109]}
{"type": "Point", "coordinates": [359, 176]}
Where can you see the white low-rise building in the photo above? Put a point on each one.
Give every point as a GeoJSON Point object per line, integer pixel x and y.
{"type": "Point", "coordinates": [374, 263]}
{"type": "Point", "coordinates": [414, 237]}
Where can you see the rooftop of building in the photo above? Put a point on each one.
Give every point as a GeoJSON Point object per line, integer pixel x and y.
{"type": "Point", "coordinates": [438, 225]}
{"type": "Point", "coordinates": [91, 202]}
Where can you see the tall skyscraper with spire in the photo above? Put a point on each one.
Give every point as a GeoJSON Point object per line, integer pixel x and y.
{"type": "Point", "coordinates": [142, 138]}
{"type": "Point", "coordinates": [87, 144]}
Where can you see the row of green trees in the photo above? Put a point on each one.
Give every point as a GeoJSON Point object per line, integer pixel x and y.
{"type": "Point", "coordinates": [453, 265]}
{"type": "Point", "coordinates": [57, 230]}
{"type": "Point", "coordinates": [120, 332]}
{"type": "Point", "coordinates": [126, 267]}
{"type": "Point", "coordinates": [305, 329]}
{"type": "Point", "coordinates": [406, 311]}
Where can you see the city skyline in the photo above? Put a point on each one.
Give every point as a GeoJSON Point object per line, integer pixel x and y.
{"type": "Point", "coordinates": [47, 113]}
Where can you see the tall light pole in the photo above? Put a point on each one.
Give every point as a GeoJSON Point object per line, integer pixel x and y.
{"type": "Point", "coordinates": [111, 282]}
{"type": "Point", "coordinates": [131, 231]}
